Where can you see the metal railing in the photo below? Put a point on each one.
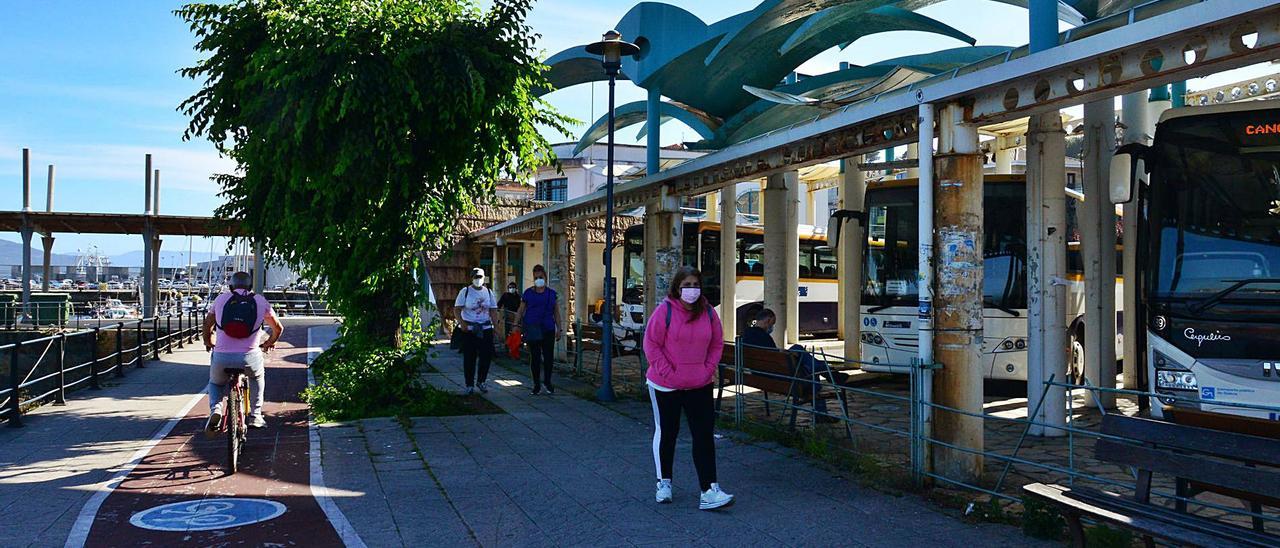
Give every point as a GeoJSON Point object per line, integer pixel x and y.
{"type": "Point", "coordinates": [48, 376]}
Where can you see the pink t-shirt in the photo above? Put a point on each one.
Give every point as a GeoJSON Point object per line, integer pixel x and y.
{"type": "Point", "coordinates": [229, 344]}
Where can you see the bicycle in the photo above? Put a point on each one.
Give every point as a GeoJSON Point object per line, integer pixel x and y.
{"type": "Point", "coordinates": [233, 421]}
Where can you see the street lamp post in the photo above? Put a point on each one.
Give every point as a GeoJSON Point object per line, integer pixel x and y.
{"type": "Point", "coordinates": [611, 49]}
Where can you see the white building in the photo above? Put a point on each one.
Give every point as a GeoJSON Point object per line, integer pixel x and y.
{"type": "Point", "coordinates": [587, 172]}
{"type": "Point", "coordinates": [219, 271]}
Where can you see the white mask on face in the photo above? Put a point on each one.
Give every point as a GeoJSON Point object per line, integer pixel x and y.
{"type": "Point", "coordinates": [539, 282]}
{"type": "Point", "coordinates": [511, 290]}
{"type": "Point", "coordinates": [690, 294]}
{"type": "Point", "coordinates": [478, 282]}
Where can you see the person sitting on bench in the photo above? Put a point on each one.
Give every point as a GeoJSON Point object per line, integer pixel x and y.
{"type": "Point", "coordinates": [760, 335]}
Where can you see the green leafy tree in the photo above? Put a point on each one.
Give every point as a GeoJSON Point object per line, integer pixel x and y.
{"type": "Point", "coordinates": [362, 129]}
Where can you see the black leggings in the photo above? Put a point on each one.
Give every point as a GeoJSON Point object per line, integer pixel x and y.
{"type": "Point", "coordinates": [474, 347]}
{"type": "Point", "coordinates": [699, 409]}
{"type": "Point", "coordinates": [541, 356]}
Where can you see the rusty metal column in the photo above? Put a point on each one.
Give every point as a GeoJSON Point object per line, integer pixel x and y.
{"type": "Point", "coordinates": [555, 256]}
{"type": "Point", "coordinates": [729, 261]}
{"type": "Point", "coordinates": [782, 254]}
{"type": "Point", "coordinates": [1097, 249]}
{"type": "Point", "coordinates": [1046, 272]}
{"type": "Point", "coordinates": [958, 298]}
{"type": "Point", "coordinates": [664, 238]}
{"type": "Point", "coordinates": [853, 190]}
{"type": "Point", "coordinates": [501, 276]}
{"type": "Point", "coordinates": [581, 275]}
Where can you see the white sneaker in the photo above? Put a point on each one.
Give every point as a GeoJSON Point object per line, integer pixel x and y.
{"type": "Point", "coordinates": [483, 387]}
{"type": "Point", "coordinates": [213, 425]}
{"type": "Point", "coordinates": [664, 491]}
{"type": "Point", "coordinates": [256, 421]}
{"type": "Point", "coordinates": [714, 498]}
{"type": "Point", "coordinates": [469, 391]}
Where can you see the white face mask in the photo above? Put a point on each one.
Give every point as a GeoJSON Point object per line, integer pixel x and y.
{"type": "Point", "coordinates": [690, 294]}
{"type": "Point", "coordinates": [511, 290]}
{"type": "Point", "coordinates": [478, 282]}
{"type": "Point", "coordinates": [539, 282]}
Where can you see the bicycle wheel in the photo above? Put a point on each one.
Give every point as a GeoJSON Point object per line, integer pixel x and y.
{"type": "Point", "coordinates": [234, 424]}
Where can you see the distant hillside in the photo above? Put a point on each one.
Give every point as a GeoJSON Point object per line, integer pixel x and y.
{"type": "Point", "coordinates": [11, 254]}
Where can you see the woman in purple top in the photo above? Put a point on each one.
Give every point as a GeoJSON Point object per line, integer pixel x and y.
{"type": "Point", "coordinates": [538, 319]}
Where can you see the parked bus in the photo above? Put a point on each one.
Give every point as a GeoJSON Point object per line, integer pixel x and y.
{"type": "Point", "coordinates": [890, 297]}
{"type": "Point", "coordinates": [701, 249]}
{"type": "Point", "coordinates": [1209, 248]}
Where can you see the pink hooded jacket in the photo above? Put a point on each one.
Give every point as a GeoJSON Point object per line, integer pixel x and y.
{"type": "Point", "coordinates": [684, 355]}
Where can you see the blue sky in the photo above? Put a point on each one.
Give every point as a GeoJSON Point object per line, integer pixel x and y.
{"type": "Point", "coordinates": [91, 86]}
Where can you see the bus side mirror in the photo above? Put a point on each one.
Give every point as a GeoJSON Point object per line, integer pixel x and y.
{"type": "Point", "coordinates": [836, 223]}
{"type": "Point", "coordinates": [1124, 171]}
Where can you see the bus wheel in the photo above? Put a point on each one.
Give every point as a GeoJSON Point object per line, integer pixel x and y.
{"type": "Point", "coordinates": [1075, 363]}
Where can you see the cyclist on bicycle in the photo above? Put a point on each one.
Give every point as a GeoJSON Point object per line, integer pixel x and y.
{"type": "Point", "coordinates": [238, 315]}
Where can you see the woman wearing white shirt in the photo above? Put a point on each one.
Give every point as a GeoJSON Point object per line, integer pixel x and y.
{"type": "Point", "coordinates": [476, 312]}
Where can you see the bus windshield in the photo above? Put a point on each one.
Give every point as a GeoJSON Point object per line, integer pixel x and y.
{"type": "Point", "coordinates": [891, 268]}
{"type": "Point", "coordinates": [1215, 210]}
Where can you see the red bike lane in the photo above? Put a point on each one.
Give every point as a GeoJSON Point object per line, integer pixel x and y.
{"type": "Point", "coordinates": [188, 471]}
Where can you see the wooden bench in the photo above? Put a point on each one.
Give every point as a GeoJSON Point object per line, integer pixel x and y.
{"type": "Point", "coordinates": [776, 372]}
{"type": "Point", "coordinates": [1226, 423]}
{"type": "Point", "coordinates": [591, 338]}
{"type": "Point", "coordinates": [1228, 460]}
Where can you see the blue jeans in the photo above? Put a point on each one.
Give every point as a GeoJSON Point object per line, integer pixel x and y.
{"type": "Point", "coordinates": [252, 364]}
{"type": "Point", "coordinates": [809, 368]}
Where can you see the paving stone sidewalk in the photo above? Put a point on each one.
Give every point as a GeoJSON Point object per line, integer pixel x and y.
{"type": "Point", "coordinates": [563, 471]}
{"type": "Point", "coordinates": [63, 454]}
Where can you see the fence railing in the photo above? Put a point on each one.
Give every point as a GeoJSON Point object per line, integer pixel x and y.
{"type": "Point", "coordinates": [892, 419]}
{"type": "Point", "coordinates": [47, 376]}
{"type": "Point", "coordinates": [896, 425]}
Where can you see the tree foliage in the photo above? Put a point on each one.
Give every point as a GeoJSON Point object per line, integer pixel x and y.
{"type": "Point", "coordinates": [362, 129]}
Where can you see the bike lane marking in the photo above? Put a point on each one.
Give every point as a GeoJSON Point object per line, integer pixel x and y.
{"type": "Point", "coordinates": [84, 521]}
{"type": "Point", "coordinates": [186, 472]}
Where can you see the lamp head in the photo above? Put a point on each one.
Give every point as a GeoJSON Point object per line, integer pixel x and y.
{"type": "Point", "coordinates": [611, 48]}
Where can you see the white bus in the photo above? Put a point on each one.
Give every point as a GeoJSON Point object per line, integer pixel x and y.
{"type": "Point", "coordinates": [818, 310]}
{"type": "Point", "coordinates": [890, 298]}
{"type": "Point", "coordinates": [1209, 240]}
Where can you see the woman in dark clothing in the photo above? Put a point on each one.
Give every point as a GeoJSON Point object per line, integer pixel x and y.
{"type": "Point", "coordinates": [539, 320]}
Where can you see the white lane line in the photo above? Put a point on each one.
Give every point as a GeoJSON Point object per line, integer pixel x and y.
{"type": "Point", "coordinates": [84, 522]}
{"type": "Point", "coordinates": [318, 490]}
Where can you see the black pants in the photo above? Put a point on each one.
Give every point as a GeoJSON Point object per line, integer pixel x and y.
{"type": "Point", "coordinates": [474, 347]}
{"type": "Point", "coordinates": [699, 409]}
{"type": "Point", "coordinates": [541, 356]}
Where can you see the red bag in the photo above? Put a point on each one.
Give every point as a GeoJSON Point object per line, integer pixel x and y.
{"type": "Point", "coordinates": [513, 344]}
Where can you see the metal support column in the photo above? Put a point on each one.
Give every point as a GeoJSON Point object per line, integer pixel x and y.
{"type": "Point", "coordinates": [853, 189]}
{"type": "Point", "coordinates": [781, 266]}
{"type": "Point", "coordinates": [555, 253]}
{"type": "Point", "coordinates": [1133, 115]}
{"type": "Point", "coordinates": [653, 124]}
{"type": "Point", "coordinates": [581, 275]}
{"type": "Point", "coordinates": [663, 245]}
{"type": "Point", "coordinates": [259, 267]}
{"type": "Point", "coordinates": [958, 267]}
{"type": "Point", "coordinates": [1047, 345]}
{"type": "Point", "coordinates": [1097, 249]}
{"type": "Point", "coordinates": [729, 261]}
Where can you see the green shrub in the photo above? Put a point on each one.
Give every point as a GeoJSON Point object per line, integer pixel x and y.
{"type": "Point", "coordinates": [1101, 536]}
{"type": "Point", "coordinates": [1041, 521]}
{"type": "Point", "coordinates": [359, 382]}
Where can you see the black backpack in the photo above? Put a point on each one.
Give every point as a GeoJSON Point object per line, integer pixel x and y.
{"type": "Point", "coordinates": [239, 315]}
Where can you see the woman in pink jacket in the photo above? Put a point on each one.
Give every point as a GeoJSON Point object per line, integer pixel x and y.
{"type": "Point", "coordinates": [683, 342]}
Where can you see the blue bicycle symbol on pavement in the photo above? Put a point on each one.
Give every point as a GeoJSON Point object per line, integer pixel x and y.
{"type": "Point", "coordinates": [207, 514]}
